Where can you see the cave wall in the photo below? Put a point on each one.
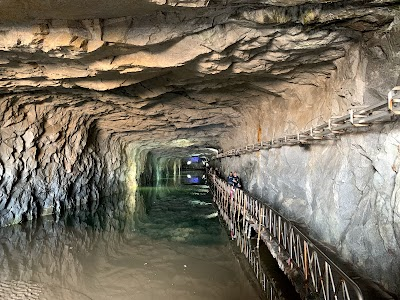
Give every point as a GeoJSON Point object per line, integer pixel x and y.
{"type": "Point", "coordinates": [346, 191]}
{"type": "Point", "coordinates": [167, 169]}
{"type": "Point", "coordinates": [86, 94]}
{"type": "Point", "coordinates": [291, 107]}
{"type": "Point", "coordinates": [53, 159]}
{"type": "Point", "coordinates": [56, 157]}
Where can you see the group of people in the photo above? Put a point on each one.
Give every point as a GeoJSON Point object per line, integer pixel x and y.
{"type": "Point", "coordinates": [234, 180]}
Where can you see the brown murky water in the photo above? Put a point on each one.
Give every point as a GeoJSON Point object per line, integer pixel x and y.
{"type": "Point", "coordinates": [171, 247]}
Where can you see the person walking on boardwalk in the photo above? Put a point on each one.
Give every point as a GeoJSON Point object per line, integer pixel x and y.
{"type": "Point", "coordinates": [236, 180]}
{"type": "Point", "coordinates": [230, 179]}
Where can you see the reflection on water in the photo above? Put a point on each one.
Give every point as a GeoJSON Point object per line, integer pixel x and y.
{"type": "Point", "coordinates": [193, 177]}
{"type": "Point", "coordinates": [171, 247]}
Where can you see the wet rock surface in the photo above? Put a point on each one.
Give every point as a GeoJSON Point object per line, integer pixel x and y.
{"type": "Point", "coordinates": [157, 72]}
{"type": "Point", "coordinates": [344, 192]}
{"type": "Point", "coordinates": [88, 88]}
{"type": "Point", "coordinates": [53, 160]}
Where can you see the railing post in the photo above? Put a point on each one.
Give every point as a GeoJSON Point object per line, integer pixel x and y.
{"type": "Point", "coordinates": [244, 209]}
{"type": "Point", "coordinates": [305, 265]}
{"type": "Point", "coordinates": [327, 280]}
{"type": "Point", "coordinates": [279, 233]}
{"type": "Point", "coordinates": [270, 224]}
{"type": "Point", "coordinates": [259, 228]}
{"type": "Point", "coordinates": [291, 234]}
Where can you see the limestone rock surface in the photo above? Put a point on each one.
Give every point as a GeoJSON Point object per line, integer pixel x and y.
{"type": "Point", "coordinates": [89, 88]}
{"type": "Point", "coordinates": [345, 192]}
{"type": "Point", "coordinates": [162, 68]}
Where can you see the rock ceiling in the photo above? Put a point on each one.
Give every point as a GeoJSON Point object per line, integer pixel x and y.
{"type": "Point", "coordinates": [172, 73]}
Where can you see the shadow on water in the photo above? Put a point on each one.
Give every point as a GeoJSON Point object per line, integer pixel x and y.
{"type": "Point", "coordinates": [167, 244]}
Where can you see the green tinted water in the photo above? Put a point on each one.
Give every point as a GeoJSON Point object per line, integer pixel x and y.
{"type": "Point", "coordinates": [171, 247]}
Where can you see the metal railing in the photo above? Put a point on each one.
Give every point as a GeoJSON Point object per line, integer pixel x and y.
{"type": "Point", "coordinates": [253, 257]}
{"type": "Point", "coordinates": [221, 196]}
{"type": "Point", "coordinates": [335, 126]}
{"type": "Point", "coordinates": [322, 278]}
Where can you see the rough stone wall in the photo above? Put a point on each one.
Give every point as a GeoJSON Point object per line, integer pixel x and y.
{"type": "Point", "coordinates": [79, 85]}
{"type": "Point", "coordinates": [347, 191]}
{"type": "Point", "coordinates": [53, 159]}
{"type": "Point", "coordinates": [168, 74]}
{"type": "Point", "coordinates": [289, 108]}
{"type": "Point", "coordinates": [166, 169]}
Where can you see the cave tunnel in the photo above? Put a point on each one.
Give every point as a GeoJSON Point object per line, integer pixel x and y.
{"type": "Point", "coordinates": [120, 122]}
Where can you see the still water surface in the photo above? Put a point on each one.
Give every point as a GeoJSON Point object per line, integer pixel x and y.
{"type": "Point", "coordinates": [170, 247]}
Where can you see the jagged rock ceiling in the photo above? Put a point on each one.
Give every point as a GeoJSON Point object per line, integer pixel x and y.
{"type": "Point", "coordinates": [168, 74]}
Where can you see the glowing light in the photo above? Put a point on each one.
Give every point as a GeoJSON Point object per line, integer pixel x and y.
{"type": "Point", "coordinates": [181, 143]}
{"type": "Point", "coordinates": [189, 162]}
{"type": "Point", "coordinates": [188, 176]}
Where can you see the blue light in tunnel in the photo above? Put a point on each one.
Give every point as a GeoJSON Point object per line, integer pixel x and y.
{"type": "Point", "coordinates": [194, 180]}
{"type": "Point", "coordinates": [195, 159]}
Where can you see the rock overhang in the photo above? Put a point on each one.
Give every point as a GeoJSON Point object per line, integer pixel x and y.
{"type": "Point", "coordinates": [156, 72]}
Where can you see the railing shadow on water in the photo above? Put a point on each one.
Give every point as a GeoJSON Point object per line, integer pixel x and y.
{"type": "Point", "coordinates": [321, 277]}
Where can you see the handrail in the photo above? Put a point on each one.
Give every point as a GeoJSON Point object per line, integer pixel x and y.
{"type": "Point", "coordinates": [322, 276]}
{"type": "Point", "coordinates": [381, 112]}
{"type": "Point", "coordinates": [242, 236]}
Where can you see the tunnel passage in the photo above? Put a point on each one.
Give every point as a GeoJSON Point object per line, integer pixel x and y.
{"type": "Point", "coordinates": [167, 244]}
{"type": "Point", "coordinates": [90, 91]}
